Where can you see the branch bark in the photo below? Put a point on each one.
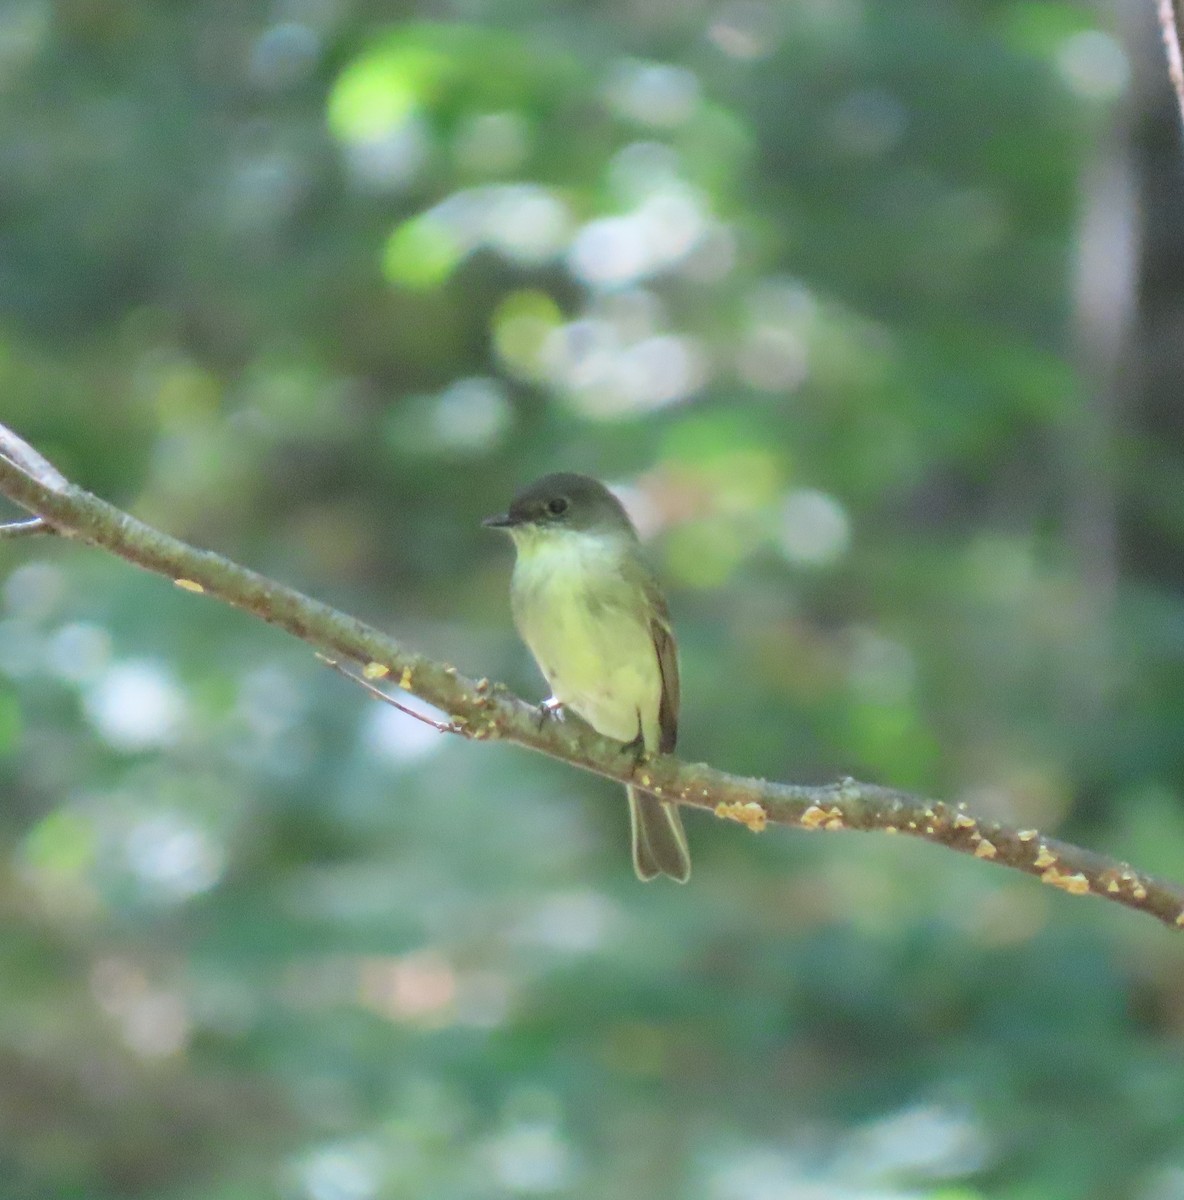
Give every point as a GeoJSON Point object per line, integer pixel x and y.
{"type": "Point", "coordinates": [484, 712]}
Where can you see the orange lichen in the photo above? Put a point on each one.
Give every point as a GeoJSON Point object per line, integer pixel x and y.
{"type": "Point", "coordinates": [190, 585]}
{"type": "Point", "coordinates": [985, 849]}
{"type": "Point", "coordinates": [405, 679]}
{"type": "Point", "coordinates": [962, 821]}
{"type": "Point", "coordinates": [748, 813]}
{"type": "Point", "coordinates": [375, 670]}
{"type": "Point", "coordinates": [1026, 835]}
{"type": "Point", "coordinates": [1045, 858]}
{"type": "Point", "coordinates": [1076, 885]}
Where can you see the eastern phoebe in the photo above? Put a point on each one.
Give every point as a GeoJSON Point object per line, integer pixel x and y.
{"type": "Point", "coordinates": [589, 609]}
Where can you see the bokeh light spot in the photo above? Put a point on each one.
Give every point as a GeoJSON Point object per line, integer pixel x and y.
{"type": "Point", "coordinates": [421, 254]}
{"type": "Point", "coordinates": [340, 1172]}
{"type": "Point", "coordinates": [63, 842]}
{"type": "Point", "coordinates": [34, 590]}
{"type": "Point", "coordinates": [1093, 65]}
{"type": "Point", "coordinates": [657, 94]}
{"type": "Point", "coordinates": [815, 530]}
{"type": "Point", "coordinates": [471, 414]}
{"type": "Point", "coordinates": [703, 554]}
{"type": "Point", "coordinates": [610, 252]}
{"type": "Point", "coordinates": [414, 987]}
{"type": "Point", "coordinates": [492, 143]}
{"type": "Point", "coordinates": [284, 55]}
{"type": "Point", "coordinates": [527, 224]}
{"type": "Point", "coordinates": [397, 739]}
{"type": "Point", "coordinates": [173, 857]}
{"type": "Point", "coordinates": [523, 324]}
{"type": "Point", "coordinates": [79, 651]}
{"type": "Point", "coordinates": [136, 706]}
{"type": "Point", "coordinates": [641, 168]}
{"type": "Point", "coordinates": [376, 93]}
{"type": "Point", "coordinates": [744, 29]}
{"type": "Point", "coordinates": [392, 160]}
{"type": "Point", "coordinates": [575, 922]}
{"type": "Point", "coordinates": [531, 1158]}
{"type": "Point", "coordinates": [773, 359]}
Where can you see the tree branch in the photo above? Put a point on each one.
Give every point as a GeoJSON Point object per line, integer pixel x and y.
{"type": "Point", "coordinates": [484, 712]}
{"type": "Point", "coordinates": [31, 462]}
{"type": "Point", "coordinates": [22, 529]}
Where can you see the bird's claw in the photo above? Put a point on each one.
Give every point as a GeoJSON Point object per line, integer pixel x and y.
{"type": "Point", "coordinates": [637, 751]}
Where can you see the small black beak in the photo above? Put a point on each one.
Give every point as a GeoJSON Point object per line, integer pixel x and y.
{"type": "Point", "coordinates": [501, 521]}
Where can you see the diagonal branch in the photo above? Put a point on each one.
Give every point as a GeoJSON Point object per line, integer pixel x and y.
{"type": "Point", "coordinates": [481, 711]}
{"type": "Point", "coordinates": [31, 462]}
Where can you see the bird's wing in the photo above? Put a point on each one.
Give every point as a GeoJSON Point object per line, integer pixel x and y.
{"type": "Point", "coordinates": [666, 649]}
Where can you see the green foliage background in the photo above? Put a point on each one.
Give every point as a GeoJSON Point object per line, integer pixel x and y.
{"type": "Point", "coordinates": [318, 284]}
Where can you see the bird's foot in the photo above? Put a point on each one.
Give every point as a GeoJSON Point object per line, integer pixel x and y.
{"type": "Point", "coordinates": [550, 710]}
{"type": "Point", "coordinates": [637, 751]}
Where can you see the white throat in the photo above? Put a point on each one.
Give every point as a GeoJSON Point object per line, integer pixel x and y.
{"type": "Point", "coordinates": [568, 552]}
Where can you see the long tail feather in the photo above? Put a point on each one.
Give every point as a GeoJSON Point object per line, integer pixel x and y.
{"type": "Point", "coordinates": [659, 840]}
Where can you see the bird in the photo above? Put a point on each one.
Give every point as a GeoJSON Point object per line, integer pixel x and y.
{"type": "Point", "coordinates": [588, 606]}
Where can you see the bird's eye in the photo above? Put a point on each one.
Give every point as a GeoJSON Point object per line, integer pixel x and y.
{"type": "Point", "coordinates": [558, 506]}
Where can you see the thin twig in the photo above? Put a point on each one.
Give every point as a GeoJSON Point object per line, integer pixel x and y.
{"type": "Point", "coordinates": [31, 462]}
{"type": "Point", "coordinates": [483, 712]}
{"type": "Point", "coordinates": [386, 698]}
{"type": "Point", "coordinates": [1169, 27]}
{"type": "Point", "coordinates": [21, 529]}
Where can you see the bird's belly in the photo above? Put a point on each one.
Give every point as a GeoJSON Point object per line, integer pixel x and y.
{"type": "Point", "coordinates": [601, 664]}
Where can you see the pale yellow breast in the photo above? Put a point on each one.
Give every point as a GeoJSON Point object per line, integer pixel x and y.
{"type": "Point", "coordinates": [589, 632]}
